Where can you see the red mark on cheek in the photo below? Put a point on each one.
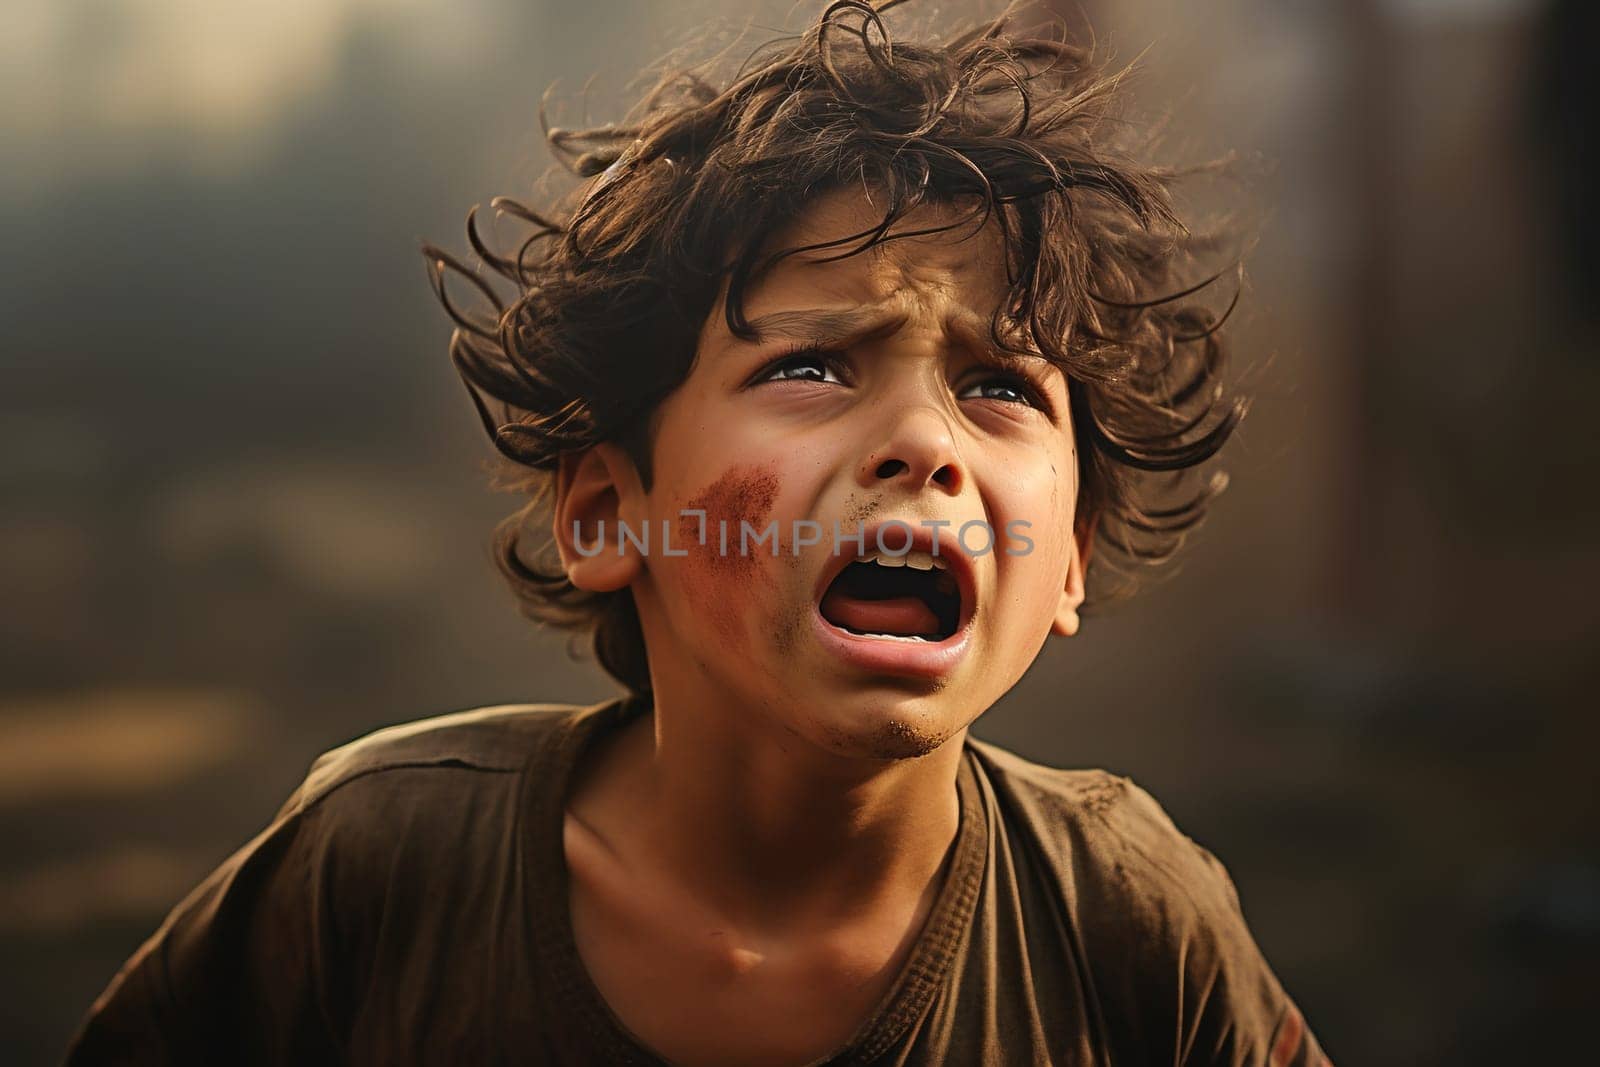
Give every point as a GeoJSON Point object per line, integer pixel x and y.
{"type": "Point", "coordinates": [729, 583]}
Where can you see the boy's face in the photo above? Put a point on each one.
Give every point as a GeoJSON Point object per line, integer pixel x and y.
{"type": "Point", "coordinates": [901, 420]}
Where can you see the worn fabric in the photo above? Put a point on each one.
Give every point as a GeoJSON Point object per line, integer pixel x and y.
{"type": "Point", "coordinates": [408, 905]}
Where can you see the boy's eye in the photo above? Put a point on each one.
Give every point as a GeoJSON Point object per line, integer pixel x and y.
{"type": "Point", "coordinates": [1004, 387]}
{"type": "Point", "coordinates": [814, 364]}
{"type": "Point", "coordinates": [808, 366]}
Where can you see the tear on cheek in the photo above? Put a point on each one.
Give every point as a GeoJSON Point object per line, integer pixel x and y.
{"type": "Point", "coordinates": [728, 585]}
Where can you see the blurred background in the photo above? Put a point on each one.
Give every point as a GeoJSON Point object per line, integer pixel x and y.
{"type": "Point", "coordinates": [244, 516]}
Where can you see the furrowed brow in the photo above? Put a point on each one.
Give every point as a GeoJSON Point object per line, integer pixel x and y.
{"type": "Point", "coordinates": [837, 325]}
{"type": "Point", "coordinates": [973, 332]}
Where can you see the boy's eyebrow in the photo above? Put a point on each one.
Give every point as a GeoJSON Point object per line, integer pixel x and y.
{"type": "Point", "coordinates": [973, 330]}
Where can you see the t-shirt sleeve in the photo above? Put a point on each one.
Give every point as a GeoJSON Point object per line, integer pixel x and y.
{"type": "Point", "coordinates": [1230, 1009]}
{"type": "Point", "coordinates": [1238, 1012]}
{"type": "Point", "coordinates": [237, 971]}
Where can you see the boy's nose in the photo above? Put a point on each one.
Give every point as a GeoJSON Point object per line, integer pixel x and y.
{"type": "Point", "coordinates": [919, 451]}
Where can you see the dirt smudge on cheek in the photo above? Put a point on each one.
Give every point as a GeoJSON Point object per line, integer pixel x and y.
{"type": "Point", "coordinates": [788, 630]}
{"type": "Point", "coordinates": [729, 585]}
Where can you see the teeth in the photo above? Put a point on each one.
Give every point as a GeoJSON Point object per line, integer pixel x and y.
{"type": "Point", "coordinates": [894, 637]}
{"type": "Point", "coordinates": [917, 560]}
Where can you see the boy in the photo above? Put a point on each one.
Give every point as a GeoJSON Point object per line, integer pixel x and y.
{"type": "Point", "coordinates": [804, 377]}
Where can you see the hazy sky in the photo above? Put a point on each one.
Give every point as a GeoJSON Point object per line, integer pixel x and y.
{"type": "Point", "coordinates": [215, 67]}
{"type": "Point", "coordinates": [87, 84]}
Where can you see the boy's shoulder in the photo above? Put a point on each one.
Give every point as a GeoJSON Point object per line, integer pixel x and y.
{"type": "Point", "coordinates": [497, 740]}
{"type": "Point", "coordinates": [1155, 914]}
{"type": "Point", "coordinates": [1103, 831]}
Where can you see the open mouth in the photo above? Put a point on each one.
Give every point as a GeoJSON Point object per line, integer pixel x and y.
{"type": "Point", "coordinates": [913, 597]}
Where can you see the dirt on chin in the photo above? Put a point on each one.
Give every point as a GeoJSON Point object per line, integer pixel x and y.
{"type": "Point", "coordinates": [894, 740]}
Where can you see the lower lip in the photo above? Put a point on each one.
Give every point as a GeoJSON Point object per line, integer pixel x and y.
{"type": "Point", "coordinates": [886, 655]}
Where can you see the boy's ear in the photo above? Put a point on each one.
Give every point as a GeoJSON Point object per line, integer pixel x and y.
{"type": "Point", "coordinates": [1066, 620]}
{"type": "Point", "coordinates": [594, 492]}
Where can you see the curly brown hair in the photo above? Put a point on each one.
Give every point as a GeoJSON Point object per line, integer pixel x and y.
{"type": "Point", "coordinates": [684, 194]}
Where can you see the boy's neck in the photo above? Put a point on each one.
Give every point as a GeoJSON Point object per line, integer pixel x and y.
{"type": "Point", "coordinates": [764, 827]}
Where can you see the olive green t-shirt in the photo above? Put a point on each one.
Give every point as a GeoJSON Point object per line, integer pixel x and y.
{"type": "Point", "coordinates": [408, 905]}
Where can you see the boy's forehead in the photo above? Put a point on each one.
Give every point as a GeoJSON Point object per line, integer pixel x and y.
{"type": "Point", "coordinates": [961, 270]}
